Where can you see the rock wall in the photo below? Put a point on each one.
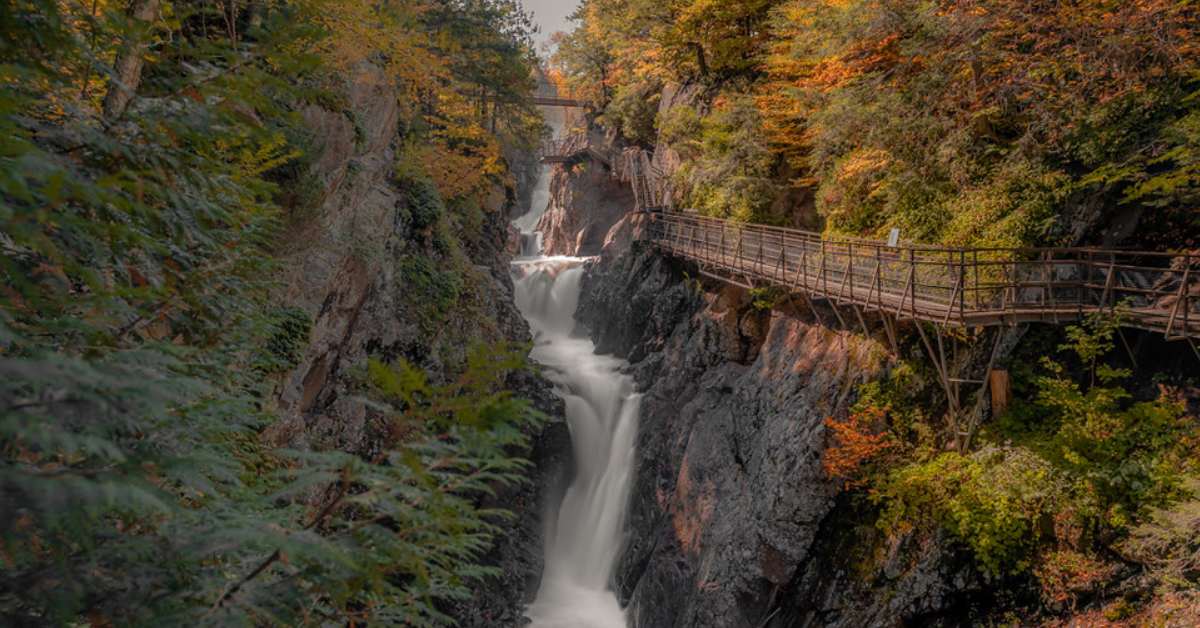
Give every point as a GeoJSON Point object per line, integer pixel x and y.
{"type": "Point", "coordinates": [344, 266]}
{"type": "Point", "coordinates": [586, 202]}
{"type": "Point", "coordinates": [733, 522]}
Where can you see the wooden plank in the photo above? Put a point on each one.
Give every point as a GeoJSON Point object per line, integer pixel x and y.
{"type": "Point", "coordinates": [1001, 387]}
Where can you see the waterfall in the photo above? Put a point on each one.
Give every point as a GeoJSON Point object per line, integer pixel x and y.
{"type": "Point", "coordinates": [583, 537]}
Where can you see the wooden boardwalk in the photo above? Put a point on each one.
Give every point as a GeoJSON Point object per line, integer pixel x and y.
{"type": "Point", "coordinates": [962, 287]}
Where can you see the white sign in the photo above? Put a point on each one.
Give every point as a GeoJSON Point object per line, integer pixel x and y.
{"type": "Point", "coordinates": [894, 238]}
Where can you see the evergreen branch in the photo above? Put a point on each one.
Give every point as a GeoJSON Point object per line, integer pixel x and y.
{"type": "Point", "coordinates": [343, 487]}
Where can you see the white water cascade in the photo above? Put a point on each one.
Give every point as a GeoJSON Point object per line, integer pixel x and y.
{"type": "Point", "coordinates": [583, 537]}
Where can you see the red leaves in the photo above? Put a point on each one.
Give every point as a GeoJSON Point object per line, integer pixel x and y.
{"type": "Point", "coordinates": [856, 443]}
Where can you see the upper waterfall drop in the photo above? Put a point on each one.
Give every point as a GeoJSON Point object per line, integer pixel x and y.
{"type": "Point", "coordinates": [584, 534]}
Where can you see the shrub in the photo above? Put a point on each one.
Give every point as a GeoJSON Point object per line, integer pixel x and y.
{"type": "Point", "coordinates": [1064, 575]}
{"type": "Point", "coordinates": [431, 290]}
{"type": "Point", "coordinates": [992, 501]}
{"type": "Point", "coordinates": [633, 110]}
{"type": "Point", "coordinates": [1079, 464]}
{"type": "Point", "coordinates": [287, 332]}
{"type": "Point", "coordinates": [1126, 457]}
{"type": "Point", "coordinates": [859, 441]}
{"type": "Point", "coordinates": [765, 299]}
{"type": "Point", "coordinates": [425, 204]}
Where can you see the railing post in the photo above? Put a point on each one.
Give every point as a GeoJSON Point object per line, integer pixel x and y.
{"type": "Point", "coordinates": [804, 264]}
{"type": "Point", "coordinates": [704, 253]}
{"type": "Point", "coordinates": [912, 283]}
{"type": "Point", "coordinates": [962, 280]}
{"type": "Point", "coordinates": [1085, 288]}
{"type": "Point", "coordinates": [1187, 295]}
{"type": "Point", "coordinates": [760, 253]}
{"type": "Point", "coordinates": [850, 268]}
{"type": "Point", "coordinates": [1050, 277]}
{"type": "Point", "coordinates": [878, 278]}
{"type": "Point", "coordinates": [783, 258]}
{"type": "Point", "coordinates": [824, 279]}
{"type": "Point", "coordinates": [975, 271]}
{"type": "Point", "coordinates": [1181, 299]}
{"type": "Point", "coordinates": [723, 245]}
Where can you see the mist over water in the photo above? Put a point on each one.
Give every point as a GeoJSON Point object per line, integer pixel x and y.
{"type": "Point", "coordinates": [583, 535]}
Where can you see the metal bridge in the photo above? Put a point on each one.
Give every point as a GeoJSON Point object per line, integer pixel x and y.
{"type": "Point", "coordinates": [546, 101]}
{"type": "Point", "coordinates": [956, 287]}
{"type": "Point", "coordinates": [973, 288]}
{"type": "Point", "coordinates": [566, 149]}
{"type": "Point", "coordinates": [960, 287]}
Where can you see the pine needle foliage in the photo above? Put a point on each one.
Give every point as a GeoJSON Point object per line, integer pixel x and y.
{"type": "Point", "coordinates": [137, 342]}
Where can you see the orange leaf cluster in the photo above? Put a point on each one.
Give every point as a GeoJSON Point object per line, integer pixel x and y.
{"type": "Point", "coordinates": [856, 442]}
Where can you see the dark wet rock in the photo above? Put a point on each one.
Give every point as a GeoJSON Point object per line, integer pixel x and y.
{"type": "Point", "coordinates": [733, 522]}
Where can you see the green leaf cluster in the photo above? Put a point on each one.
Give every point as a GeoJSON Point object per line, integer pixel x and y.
{"type": "Point", "coordinates": [1073, 468]}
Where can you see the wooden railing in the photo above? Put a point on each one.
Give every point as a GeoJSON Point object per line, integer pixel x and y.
{"type": "Point", "coordinates": [651, 188]}
{"type": "Point", "coordinates": [964, 287]}
{"type": "Point", "coordinates": [561, 149]}
{"type": "Point", "coordinates": [635, 166]}
{"type": "Point", "coordinates": [565, 149]}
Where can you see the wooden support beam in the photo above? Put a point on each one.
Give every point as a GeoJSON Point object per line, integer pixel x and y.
{"type": "Point", "coordinates": [1001, 387]}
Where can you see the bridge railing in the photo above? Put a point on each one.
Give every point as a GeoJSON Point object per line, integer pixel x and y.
{"type": "Point", "coordinates": [563, 148]}
{"type": "Point", "coordinates": [956, 286]}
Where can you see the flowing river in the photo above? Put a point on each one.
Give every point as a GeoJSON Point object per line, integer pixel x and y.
{"type": "Point", "coordinates": [583, 535]}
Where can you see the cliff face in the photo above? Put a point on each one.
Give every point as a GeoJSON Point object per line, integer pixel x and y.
{"type": "Point", "coordinates": [345, 267]}
{"type": "Point", "coordinates": [586, 201]}
{"type": "Point", "coordinates": [733, 521]}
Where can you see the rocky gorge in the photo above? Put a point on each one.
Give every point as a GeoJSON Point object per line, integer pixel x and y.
{"type": "Point", "coordinates": [346, 312]}
{"type": "Point", "coordinates": [732, 519]}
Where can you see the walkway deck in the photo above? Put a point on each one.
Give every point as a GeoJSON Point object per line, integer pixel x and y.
{"type": "Point", "coordinates": [565, 149]}
{"type": "Point", "coordinates": [961, 287]}
{"type": "Point", "coordinates": [557, 102]}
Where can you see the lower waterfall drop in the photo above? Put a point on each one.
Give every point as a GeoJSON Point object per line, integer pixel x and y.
{"type": "Point", "coordinates": [583, 538]}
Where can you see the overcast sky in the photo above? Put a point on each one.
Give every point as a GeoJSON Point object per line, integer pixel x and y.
{"type": "Point", "coordinates": [551, 15]}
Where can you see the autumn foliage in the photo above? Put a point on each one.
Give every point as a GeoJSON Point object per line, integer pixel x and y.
{"type": "Point", "coordinates": [991, 122]}
{"type": "Point", "coordinates": [977, 121]}
{"type": "Point", "coordinates": [860, 440]}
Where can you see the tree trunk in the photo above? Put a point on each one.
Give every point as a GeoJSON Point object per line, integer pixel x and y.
{"type": "Point", "coordinates": [700, 58]}
{"type": "Point", "coordinates": [127, 72]}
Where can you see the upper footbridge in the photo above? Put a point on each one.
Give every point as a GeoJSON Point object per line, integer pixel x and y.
{"type": "Point", "coordinates": [553, 101]}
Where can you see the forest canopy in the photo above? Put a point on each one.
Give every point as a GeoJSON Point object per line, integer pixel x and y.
{"type": "Point", "coordinates": [999, 122]}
